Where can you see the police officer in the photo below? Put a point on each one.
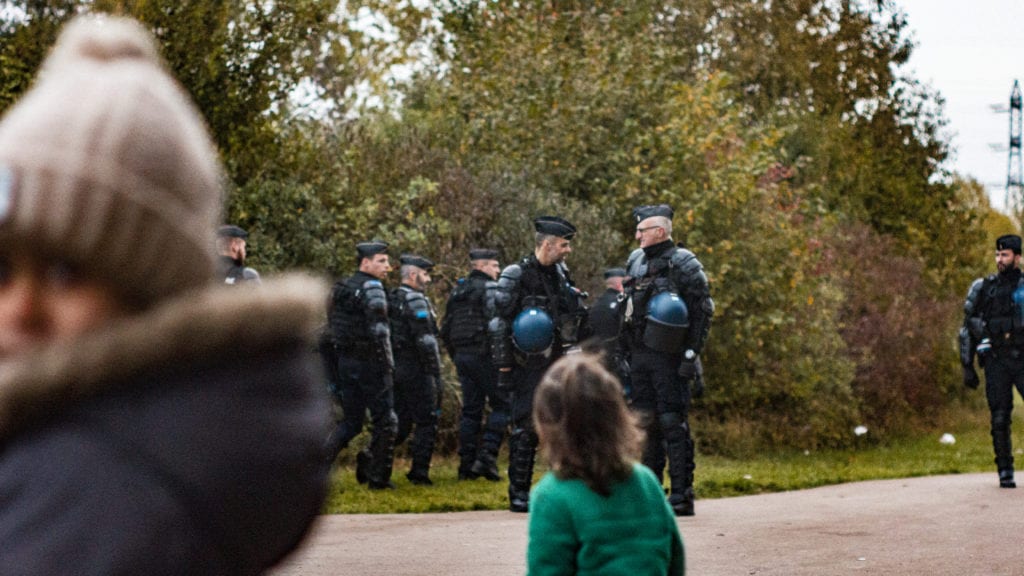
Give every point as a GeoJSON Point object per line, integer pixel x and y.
{"type": "Point", "coordinates": [667, 318]}
{"type": "Point", "coordinates": [994, 331]}
{"type": "Point", "coordinates": [605, 314]}
{"type": "Point", "coordinates": [231, 242]}
{"type": "Point", "coordinates": [464, 333]}
{"type": "Point", "coordinates": [539, 314]}
{"type": "Point", "coordinates": [358, 322]}
{"type": "Point", "coordinates": [417, 364]}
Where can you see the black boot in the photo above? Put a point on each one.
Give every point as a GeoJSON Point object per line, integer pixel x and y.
{"type": "Point", "coordinates": [682, 503]}
{"type": "Point", "coordinates": [1006, 478]}
{"type": "Point", "coordinates": [422, 448]}
{"type": "Point", "coordinates": [486, 466]}
{"type": "Point", "coordinates": [469, 432]}
{"type": "Point", "coordinates": [362, 464]}
{"type": "Point", "coordinates": [522, 449]}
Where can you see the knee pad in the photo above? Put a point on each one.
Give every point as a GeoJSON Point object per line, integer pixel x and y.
{"type": "Point", "coordinates": [388, 423]}
{"type": "Point", "coordinates": [1000, 420]}
{"type": "Point", "coordinates": [670, 420]}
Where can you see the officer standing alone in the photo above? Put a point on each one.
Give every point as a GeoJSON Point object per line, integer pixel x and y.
{"type": "Point", "coordinates": [994, 331]}
{"type": "Point", "coordinates": [359, 331]}
{"type": "Point", "coordinates": [417, 364]}
{"type": "Point", "coordinates": [464, 332]}
{"type": "Point", "coordinates": [539, 314]}
{"type": "Point", "coordinates": [667, 319]}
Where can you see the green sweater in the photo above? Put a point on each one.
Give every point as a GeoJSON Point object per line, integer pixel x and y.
{"type": "Point", "coordinates": [574, 530]}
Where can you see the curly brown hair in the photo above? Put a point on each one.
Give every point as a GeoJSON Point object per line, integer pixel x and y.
{"type": "Point", "coordinates": [585, 429]}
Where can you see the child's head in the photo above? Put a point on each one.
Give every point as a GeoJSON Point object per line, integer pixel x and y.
{"type": "Point", "coordinates": [585, 428]}
{"type": "Point", "coordinates": [109, 187]}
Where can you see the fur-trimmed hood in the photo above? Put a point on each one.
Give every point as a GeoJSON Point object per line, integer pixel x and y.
{"type": "Point", "coordinates": [212, 323]}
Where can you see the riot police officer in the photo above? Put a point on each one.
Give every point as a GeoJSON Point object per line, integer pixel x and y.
{"type": "Point", "coordinates": [667, 319]}
{"type": "Point", "coordinates": [361, 336]}
{"type": "Point", "coordinates": [464, 333]}
{"type": "Point", "coordinates": [231, 243]}
{"type": "Point", "coordinates": [539, 314]}
{"type": "Point", "coordinates": [994, 331]}
{"type": "Point", "coordinates": [417, 364]}
{"type": "Point", "coordinates": [605, 314]}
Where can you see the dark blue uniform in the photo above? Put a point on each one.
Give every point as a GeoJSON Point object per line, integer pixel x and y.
{"type": "Point", "coordinates": [992, 316]}
{"type": "Point", "coordinates": [464, 333]}
{"type": "Point", "coordinates": [520, 286]}
{"type": "Point", "coordinates": [417, 376]}
{"type": "Point", "coordinates": [662, 380]}
{"type": "Point", "coordinates": [361, 338]}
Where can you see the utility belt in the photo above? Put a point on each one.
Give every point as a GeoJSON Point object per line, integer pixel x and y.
{"type": "Point", "coordinates": [475, 348]}
{"type": "Point", "coordinates": [1005, 331]}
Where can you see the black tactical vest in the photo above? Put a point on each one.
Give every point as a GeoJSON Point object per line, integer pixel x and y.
{"type": "Point", "coordinates": [467, 314]}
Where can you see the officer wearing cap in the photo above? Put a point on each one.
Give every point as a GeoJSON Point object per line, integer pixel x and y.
{"type": "Point", "coordinates": [606, 322]}
{"type": "Point", "coordinates": [358, 325]}
{"type": "Point", "coordinates": [231, 241]}
{"type": "Point", "coordinates": [664, 352]}
{"type": "Point", "coordinates": [464, 333]}
{"type": "Point", "coordinates": [993, 331]}
{"type": "Point", "coordinates": [538, 315]}
{"type": "Point", "coordinates": [606, 313]}
{"type": "Point", "coordinates": [417, 364]}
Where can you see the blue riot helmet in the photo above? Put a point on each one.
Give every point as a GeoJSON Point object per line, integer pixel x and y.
{"type": "Point", "coordinates": [533, 331]}
{"type": "Point", "coordinates": [667, 323]}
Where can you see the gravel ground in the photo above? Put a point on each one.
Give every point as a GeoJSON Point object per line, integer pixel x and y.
{"type": "Point", "coordinates": [937, 525]}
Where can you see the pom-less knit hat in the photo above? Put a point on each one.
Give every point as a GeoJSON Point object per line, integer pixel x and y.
{"type": "Point", "coordinates": [106, 162]}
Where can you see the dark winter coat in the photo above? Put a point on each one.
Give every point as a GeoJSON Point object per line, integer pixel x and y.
{"type": "Point", "coordinates": [184, 440]}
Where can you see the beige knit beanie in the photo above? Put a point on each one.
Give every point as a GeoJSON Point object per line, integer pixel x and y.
{"type": "Point", "coordinates": [107, 163]}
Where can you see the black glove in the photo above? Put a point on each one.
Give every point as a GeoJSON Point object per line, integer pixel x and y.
{"type": "Point", "coordinates": [971, 378]}
{"type": "Point", "coordinates": [693, 372]}
{"type": "Point", "coordinates": [697, 386]}
{"type": "Point", "coordinates": [688, 369]}
{"type": "Point", "coordinates": [504, 381]}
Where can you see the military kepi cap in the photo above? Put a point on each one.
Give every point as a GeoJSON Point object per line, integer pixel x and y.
{"type": "Point", "coordinates": [371, 248]}
{"type": "Point", "coordinates": [1009, 242]}
{"type": "Point", "coordinates": [231, 231]}
{"type": "Point", "coordinates": [417, 261]}
{"type": "Point", "coordinates": [642, 213]}
{"type": "Point", "coordinates": [554, 226]}
{"type": "Point", "coordinates": [483, 254]}
{"type": "Point", "coordinates": [614, 273]}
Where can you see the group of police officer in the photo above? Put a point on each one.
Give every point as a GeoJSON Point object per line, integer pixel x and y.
{"type": "Point", "coordinates": [503, 332]}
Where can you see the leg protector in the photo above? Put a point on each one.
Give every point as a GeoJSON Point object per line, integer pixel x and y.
{"type": "Point", "coordinates": [1001, 442]}
{"type": "Point", "coordinates": [679, 448]}
{"type": "Point", "coordinates": [382, 450]}
{"type": "Point", "coordinates": [654, 446]}
{"type": "Point", "coordinates": [522, 451]}
{"type": "Point", "coordinates": [423, 450]}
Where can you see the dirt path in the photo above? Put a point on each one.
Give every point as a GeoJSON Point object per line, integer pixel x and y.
{"type": "Point", "coordinates": [939, 525]}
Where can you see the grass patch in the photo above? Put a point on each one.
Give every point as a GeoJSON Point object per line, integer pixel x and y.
{"type": "Point", "coordinates": [716, 477]}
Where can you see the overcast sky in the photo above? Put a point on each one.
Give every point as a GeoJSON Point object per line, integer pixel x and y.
{"type": "Point", "coordinates": [970, 51]}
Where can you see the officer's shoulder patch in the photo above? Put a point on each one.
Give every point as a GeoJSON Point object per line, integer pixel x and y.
{"type": "Point", "coordinates": [373, 284]}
